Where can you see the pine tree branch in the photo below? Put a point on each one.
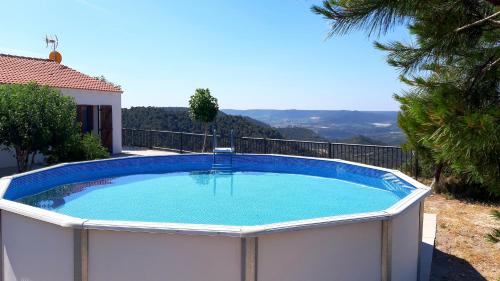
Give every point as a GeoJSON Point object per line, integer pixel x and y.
{"type": "Point", "coordinates": [491, 65]}
{"type": "Point", "coordinates": [481, 72]}
{"type": "Point", "coordinates": [488, 18]}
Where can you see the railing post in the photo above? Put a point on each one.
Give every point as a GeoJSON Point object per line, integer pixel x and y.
{"type": "Point", "coordinates": [150, 139]}
{"type": "Point", "coordinates": [214, 141]}
{"type": "Point", "coordinates": [330, 150]}
{"type": "Point", "coordinates": [181, 144]}
{"type": "Point", "coordinates": [232, 139]}
{"type": "Point", "coordinates": [265, 145]}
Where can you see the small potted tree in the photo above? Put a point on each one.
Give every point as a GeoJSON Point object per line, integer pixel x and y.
{"type": "Point", "coordinates": [203, 108]}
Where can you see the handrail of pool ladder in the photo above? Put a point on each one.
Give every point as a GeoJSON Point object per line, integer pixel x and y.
{"type": "Point", "coordinates": [222, 150]}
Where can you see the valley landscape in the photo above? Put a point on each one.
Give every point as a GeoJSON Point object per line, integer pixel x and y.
{"type": "Point", "coordinates": [375, 126]}
{"type": "Point", "coordinates": [361, 127]}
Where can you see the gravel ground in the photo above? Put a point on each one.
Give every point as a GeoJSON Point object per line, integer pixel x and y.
{"type": "Point", "coordinates": [462, 251]}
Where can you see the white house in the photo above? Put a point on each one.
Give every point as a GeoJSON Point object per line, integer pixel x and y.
{"type": "Point", "coordinates": [99, 103]}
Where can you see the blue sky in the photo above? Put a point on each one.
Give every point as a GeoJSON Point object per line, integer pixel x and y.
{"type": "Point", "coordinates": [251, 54]}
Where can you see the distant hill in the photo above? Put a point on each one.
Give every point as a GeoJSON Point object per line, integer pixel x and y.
{"type": "Point", "coordinates": [276, 117]}
{"type": "Point", "coordinates": [177, 119]}
{"type": "Point", "coordinates": [299, 133]}
{"type": "Point", "coordinates": [380, 126]}
{"type": "Point", "coordinates": [361, 140]}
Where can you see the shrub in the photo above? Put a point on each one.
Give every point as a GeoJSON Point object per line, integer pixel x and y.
{"type": "Point", "coordinates": [78, 148]}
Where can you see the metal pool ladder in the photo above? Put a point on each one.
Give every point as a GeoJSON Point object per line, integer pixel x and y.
{"type": "Point", "coordinates": [222, 156]}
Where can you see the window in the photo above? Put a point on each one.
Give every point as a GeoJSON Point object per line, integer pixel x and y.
{"type": "Point", "coordinates": [85, 115]}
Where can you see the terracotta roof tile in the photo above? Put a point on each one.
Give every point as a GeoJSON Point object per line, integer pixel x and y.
{"type": "Point", "coordinates": [20, 70]}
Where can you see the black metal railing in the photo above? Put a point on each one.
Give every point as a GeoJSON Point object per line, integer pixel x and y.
{"type": "Point", "coordinates": [392, 157]}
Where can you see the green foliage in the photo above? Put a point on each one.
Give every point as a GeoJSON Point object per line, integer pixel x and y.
{"type": "Point", "coordinates": [452, 110]}
{"type": "Point", "coordinates": [92, 148]}
{"type": "Point", "coordinates": [78, 148]}
{"type": "Point", "coordinates": [34, 118]}
{"type": "Point", "coordinates": [203, 107]}
{"type": "Point", "coordinates": [494, 236]}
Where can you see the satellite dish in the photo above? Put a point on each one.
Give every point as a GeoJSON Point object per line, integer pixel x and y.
{"type": "Point", "coordinates": [55, 56]}
{"type": "Point", "coordinates": [53, 41]}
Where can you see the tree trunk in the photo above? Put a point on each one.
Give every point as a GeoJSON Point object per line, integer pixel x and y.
{"type": "Point", "coordinates": [22, 158]}
{"type": "Point", "coordinates": [17, 159]}
{"type": "Point", "coordinates": [205, 137]}
{"type": "Point", "coordinates": [436, 182]}
{"type": "Point", "coordinates": [32, 160]}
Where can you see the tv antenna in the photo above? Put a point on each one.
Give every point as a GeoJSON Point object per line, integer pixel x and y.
{"type": "Point", "coordinates": [52, 40]}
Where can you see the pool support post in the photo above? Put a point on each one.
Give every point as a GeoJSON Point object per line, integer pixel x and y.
{"type": "Point", "coordinates": [81, 254]}
{"type": "Point", "coordinates": [386, 270]}
{"type": "Point", "coordinates": [420, 232]}
{"type": "Point", "coordinates": [249, 254]}
{"type": "Point", "coordinates": [1, 243]}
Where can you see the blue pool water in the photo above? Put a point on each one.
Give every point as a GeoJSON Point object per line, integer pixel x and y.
{"type": "Point", "coordinates": [240, 198]}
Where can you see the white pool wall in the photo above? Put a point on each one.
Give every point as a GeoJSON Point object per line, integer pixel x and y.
{"type": "Point", "coordinates": [153, 256]}
{"type": "Point", "coordinates": [42, 251]}
{"type": "Point", "coordinates": [344, 252]}
{"type": "Point", "coordinates": [34, 250]}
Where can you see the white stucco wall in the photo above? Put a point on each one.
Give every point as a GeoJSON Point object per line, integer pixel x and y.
{"type": "Point", "coordinates": [350, 252]}
{"type": "Point", "coordinates": [150, 257]}
{"type": "Point", "coordinates": [84, 97]}
{"type": "Point", "coordinates": [7, 158]}
{"type": "Point", "coordinates": [35, 250]}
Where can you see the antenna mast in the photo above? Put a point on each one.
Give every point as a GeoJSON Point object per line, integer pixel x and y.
{"type": "Point", "coordinates": [53, 41]}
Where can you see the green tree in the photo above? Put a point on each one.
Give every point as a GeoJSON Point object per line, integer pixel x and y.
{"type": "Point", "coordinates": [102, 78]}
{"type": "Point", "coordinates": [203, 107]}
{"type": "Point", "coordinates": [33, 119]}
{"type": "Point", "coordinates": [451, 112]}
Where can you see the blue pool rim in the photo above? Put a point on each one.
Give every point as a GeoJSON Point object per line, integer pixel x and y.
{"type": "Point", "coordinates": [16, 186]}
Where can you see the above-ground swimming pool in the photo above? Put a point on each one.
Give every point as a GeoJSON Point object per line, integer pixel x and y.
{"type": "Point", "coordinates": [269, 217]}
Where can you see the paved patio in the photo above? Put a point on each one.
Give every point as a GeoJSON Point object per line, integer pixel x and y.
{"type": "Point", "coordinates": [141, 151]}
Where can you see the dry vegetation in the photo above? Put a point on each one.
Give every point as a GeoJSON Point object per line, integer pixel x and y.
{"type": "Point", "coordinates": [462, 251]}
